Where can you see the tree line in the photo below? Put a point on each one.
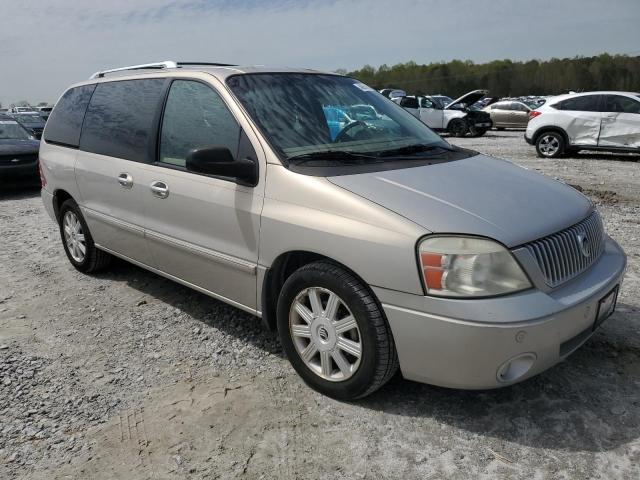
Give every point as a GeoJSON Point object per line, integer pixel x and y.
{"type": "Point", "coordinates": [506, 78]}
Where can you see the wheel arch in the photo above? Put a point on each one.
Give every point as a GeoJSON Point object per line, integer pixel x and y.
{"type": "Point", "coordinates": [282, 267]}
{"type": "Point", "coordinates": [453, 115]}
{"type": "Point", "coordinates": [551, 128]}
{"type": "Point", "coordinates": [59, 197]}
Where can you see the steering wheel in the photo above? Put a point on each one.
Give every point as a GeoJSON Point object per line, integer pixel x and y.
{"type": "Point", "coordinates": [341, 136]}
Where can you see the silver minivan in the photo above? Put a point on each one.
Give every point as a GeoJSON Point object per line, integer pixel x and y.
{"type": "Point", "coordinates": [368, 242]}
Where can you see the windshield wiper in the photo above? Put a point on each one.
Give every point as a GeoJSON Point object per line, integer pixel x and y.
{"type": "Point", "coordinates": [342, 155]}
{"type": "Point", "coordinates": [413, 149]}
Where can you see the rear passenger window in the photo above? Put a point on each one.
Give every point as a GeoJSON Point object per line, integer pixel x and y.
{"type": "Point", "coordinates": [195, 116]}
{"type": "Point", "coordinates": [586, 103]}
{"type": "Point", "coordinates": [120, 119]}
{"type": "Point", "coordinates": [618, 103]}
{"type": "Point", "coordinates": [65, 122]}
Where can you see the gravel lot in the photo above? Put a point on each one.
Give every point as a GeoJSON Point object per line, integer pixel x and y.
{"type": "Point", "coordinates": [128, 375]}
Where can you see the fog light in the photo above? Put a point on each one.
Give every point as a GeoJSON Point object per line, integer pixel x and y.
{"type": "Point", "coordinates": [515, 368]}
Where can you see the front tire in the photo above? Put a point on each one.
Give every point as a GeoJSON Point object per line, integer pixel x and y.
{"type": "Point", "coordinates": [550, 145]}
{"type": "Point", "coordinates": [457, 127]}
{"type": "Point", "coordinates": [78, 242]}
{"type": "Point", "coordinates": [334, 332]}
{"type": "Point", "coordinates": [479, 132]}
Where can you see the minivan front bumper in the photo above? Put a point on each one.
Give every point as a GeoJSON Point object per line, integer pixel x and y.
{"type": "Point", "coordinates": [490, 343]}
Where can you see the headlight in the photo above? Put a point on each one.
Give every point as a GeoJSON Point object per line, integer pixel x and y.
{"type": "Point", "coordinates": [469, 267]}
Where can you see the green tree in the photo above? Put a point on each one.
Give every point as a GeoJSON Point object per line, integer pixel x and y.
{"type": "Point", "coordinates": [509, 78]}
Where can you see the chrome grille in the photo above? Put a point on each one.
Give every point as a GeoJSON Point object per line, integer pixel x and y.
{"type": "Point", "coordinates": [565, 254]}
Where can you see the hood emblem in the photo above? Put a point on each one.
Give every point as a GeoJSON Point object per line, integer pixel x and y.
{"type": "Point", "coordinates": [583, 243]}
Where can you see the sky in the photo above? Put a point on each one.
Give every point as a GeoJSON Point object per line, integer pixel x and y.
{"type": "Point", "coordinates": [46, 45]}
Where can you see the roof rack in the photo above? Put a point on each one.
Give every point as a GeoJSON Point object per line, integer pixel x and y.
{"type": "Point", "coordinates": [207, 64]}
{"type": "Point", "coordinates": [158, 65]}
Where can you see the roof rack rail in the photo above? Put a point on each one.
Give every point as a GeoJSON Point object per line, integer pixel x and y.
{"type": "Point", "coordinates": [159, 65]}
{"type": "Point", "coordinates": [207, 64]}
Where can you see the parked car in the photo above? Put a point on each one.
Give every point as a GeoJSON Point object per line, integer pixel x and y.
{"type": "Point", "coordinates": [44, 112]}
{"type": "Point", "coordinates": [33, 122]}
{"type": "Point", "coordinates": [21, 109]}
{"type": "Point", "coordinates": [366, 250]}
{"type": "Point", "coordinates": [508, 114]}
{"type": "Point", "coordinates": [604, 121]}
{"type": "Point", "coordinates": [454, 117]}
{"type": "Point", "coordinates": [18, 154]}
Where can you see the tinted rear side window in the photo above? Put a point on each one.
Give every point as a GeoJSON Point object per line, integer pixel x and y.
{"type": "Point", "coordinates": [586, 103]}
{"type": "Point", "coordinates": [120, 119]}
{"type": "Point", "coordinates": [65, 122]}
{"type": "Point", "coordinates": [618, 103]}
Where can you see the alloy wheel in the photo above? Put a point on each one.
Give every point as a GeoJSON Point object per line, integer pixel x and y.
{"type": "Point", "coordinates": [549, 145]}
{"type": "Point", "coordinates": [325, 334]}
{"type": "Point", "coordinates": [74, 236]}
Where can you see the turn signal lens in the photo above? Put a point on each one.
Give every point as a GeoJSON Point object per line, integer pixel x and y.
{"type": "Point", "coordinates": [469, 267]}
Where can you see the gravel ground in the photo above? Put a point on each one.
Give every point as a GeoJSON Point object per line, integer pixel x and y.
{"type": "Point", "coordinates": [128, 375]}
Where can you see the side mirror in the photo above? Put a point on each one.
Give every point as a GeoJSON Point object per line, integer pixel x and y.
{"type": "Point", "coordinates": [217, 160]}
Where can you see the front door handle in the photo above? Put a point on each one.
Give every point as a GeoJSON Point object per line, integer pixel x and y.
{"type": "Point", "coordinates": [125, 180]}
{"type": "Point", "coordinates": [159, 189]}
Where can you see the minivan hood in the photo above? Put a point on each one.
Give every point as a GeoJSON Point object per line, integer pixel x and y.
{"type": "Point", "coordinates": [468, 98]}
{"type": "Point", "coordinates": [479, 195]}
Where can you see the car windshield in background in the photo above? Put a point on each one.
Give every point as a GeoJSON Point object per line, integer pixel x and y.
{"type": "Point", "coordinates": [35, 118]}
{"type": "Point", "coordinates": [306, 115]}
{"type": "Point", "coordinates": [10, 130]}
{"type": "Point", "coordinates": [443, 99]}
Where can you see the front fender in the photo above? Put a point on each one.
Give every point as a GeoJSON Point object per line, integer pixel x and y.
{"type": "Point", "coordinates": [304, 213]}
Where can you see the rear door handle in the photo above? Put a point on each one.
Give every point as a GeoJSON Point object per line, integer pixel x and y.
{"type": "Point", "coordinates": [125, 180]}
{"type": "Point", "coordinates": [159, 189]}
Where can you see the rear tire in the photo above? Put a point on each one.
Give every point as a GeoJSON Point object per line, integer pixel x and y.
{"type": "Point", "coordinates": [550, 145]}
{"type": "Point", "coordinates": [77, 240]}
{"type": "Point", "coordinates": [457, 127]}
{"type": "Point", "coordinates": [345, 352]}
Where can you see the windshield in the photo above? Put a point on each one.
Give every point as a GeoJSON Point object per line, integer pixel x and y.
{"type": "Point", "coordinates": [10, 130]}
{"type": "Point", "coordinates": [29, 118]}
{"type": "Point", "coordinates": [443, 99]}
{"type": "Point", "coordinates": [305, 114]}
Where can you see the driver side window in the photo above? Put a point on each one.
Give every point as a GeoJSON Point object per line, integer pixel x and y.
{"type": "Point", "coordinates": [195, 116]}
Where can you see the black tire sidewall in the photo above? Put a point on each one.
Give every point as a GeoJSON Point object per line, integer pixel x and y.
{"type": "Point", "coordinates": [85, 265]}
{"type": "Point", "coordinates": [357, 384]}
{"type": "Point", "coordinates": [457, 132]}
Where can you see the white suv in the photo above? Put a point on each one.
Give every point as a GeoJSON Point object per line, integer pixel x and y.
{"type": "Point", "coordinates": [442, 114]}
{"type": "Point", "coordinates": [608, 121]}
